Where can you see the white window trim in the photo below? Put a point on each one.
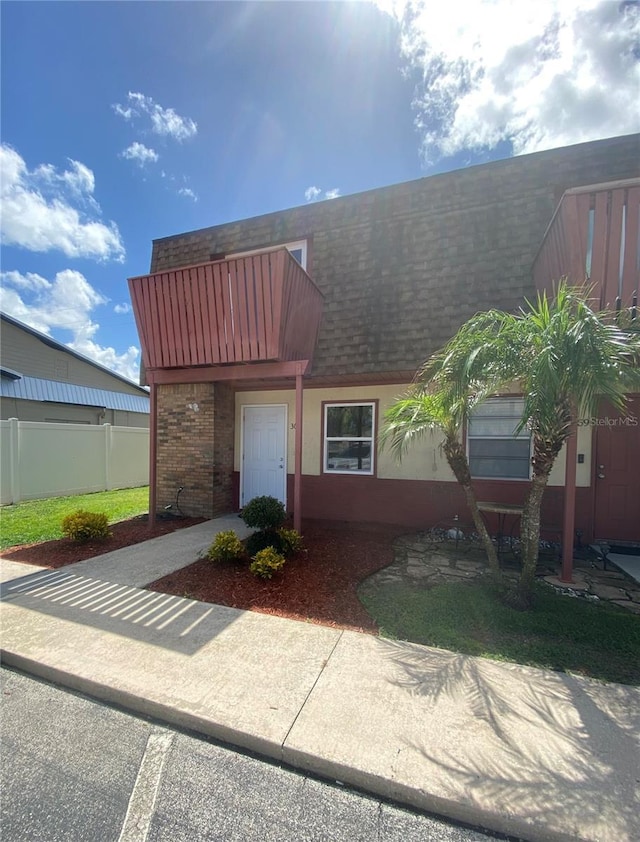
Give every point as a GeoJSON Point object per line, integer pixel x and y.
{"type": "Point", "coordinates": [372, 438]}
{"type": "Point", "coordinates": [297, 244]}
{"type": "Point", "coordinates": [499, 438]}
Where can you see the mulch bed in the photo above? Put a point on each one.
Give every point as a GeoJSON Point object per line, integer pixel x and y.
{"type": "Point", "coordinates": [56, 554]}
{"type": "Point", "coordinates": [318, 585]}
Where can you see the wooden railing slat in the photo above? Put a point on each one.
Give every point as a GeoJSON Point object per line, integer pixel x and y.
{"type": "Point", "coordinates": [566, 245]}
{"type": "Point", "coordinates": [257, 308]}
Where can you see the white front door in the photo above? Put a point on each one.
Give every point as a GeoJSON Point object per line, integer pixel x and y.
{"type": "Point", "coordinates": [264, 453]}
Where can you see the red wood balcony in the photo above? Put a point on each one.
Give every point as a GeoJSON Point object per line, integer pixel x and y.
{"type": "Point", "coordinates": [244, 310]}
{"type": "Point", "coordinates": [593, 237]}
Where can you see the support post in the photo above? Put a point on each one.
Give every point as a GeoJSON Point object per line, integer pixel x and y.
{"type": "Point", "coordinates": [297, 479]}
{"type": "Point", "coordinates": [568, 526]}
{"type": "Point", "coordinates": [153, 453]}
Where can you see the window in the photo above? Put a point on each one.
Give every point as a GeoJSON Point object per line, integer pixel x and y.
{"type": "Point", "coordinates": [349, 430]}
{"type": "Point", "coordinates": [495, 451]}
{"type": "Point", "coordinates": [298, 250]}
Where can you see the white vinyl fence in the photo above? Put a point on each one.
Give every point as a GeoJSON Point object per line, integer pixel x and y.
{"type": "Point", "coordinates": [41, 459]}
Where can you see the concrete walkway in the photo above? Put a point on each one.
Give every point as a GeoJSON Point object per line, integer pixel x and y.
{"type": "Point", "coordinates": [540, 755]}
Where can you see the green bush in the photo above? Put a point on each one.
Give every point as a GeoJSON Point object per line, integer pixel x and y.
{"type": "Point", "coordinates": [226, 547]}
{"type": "Point", "coordinates": [84, 526]}
{"type": "Point", "coordinates": [264, 513]}
{"type": "Point", "coordinates": [290, 541]}
{"type": "Point", "coordinates": [266, 563]}
{"type": "Point", "coordinates": [262, 540]}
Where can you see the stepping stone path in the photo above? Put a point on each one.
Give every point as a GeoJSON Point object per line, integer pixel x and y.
{"type": "Point", "coordinates": [427, 561]}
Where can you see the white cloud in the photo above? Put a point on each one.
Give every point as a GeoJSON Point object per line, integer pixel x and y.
{"type": "Point", "coordinates": [38, 211]}
{"type": "Point", "coordinates": [140, 153]}
{"type": "Point", "coordinates": [312, 194]}
{"type": "Point", "coordinates": [122, 308]}
{"type": "Point", "coordinates": [127, 364]}
{"type": "Point", "coordinates": [121, 111]}
{"type": "Point", "coordinates": [540, 75]}
{"type": "Point", "coordinates": [188, 192]}
{"type": "Point", "coordinates": [164, 121]}
{"type": "Point", "coordinates": [30, 281]}
{"type": "Point", "coordinates": [79, 179]}
{"type": "Point", "coordinates": [65, 303]}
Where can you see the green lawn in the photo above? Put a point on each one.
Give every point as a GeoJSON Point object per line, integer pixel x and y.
{"type": "Point", "coordinates": [561, 633]}
{"type": "Point", "coordinates": [40, 520]}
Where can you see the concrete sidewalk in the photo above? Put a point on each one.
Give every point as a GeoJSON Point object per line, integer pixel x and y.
{"type": "Point", "coordinates": [536, 754]}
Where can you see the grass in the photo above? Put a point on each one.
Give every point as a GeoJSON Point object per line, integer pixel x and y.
{"type": "Point", "coordinates": [41, 520]}
{"type": "Point", "coordinates": [561, 633]}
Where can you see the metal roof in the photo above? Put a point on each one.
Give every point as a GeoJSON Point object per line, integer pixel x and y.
{"type": "Point", "coordinates": [37, 389]}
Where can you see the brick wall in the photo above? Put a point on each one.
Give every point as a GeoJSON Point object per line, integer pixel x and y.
{"type": "Point", "coordinates": [195, 447]}
{"type": "Point", "coordinates": [402, 267]}
{"type": "Point", "coordinates": [223, 424]}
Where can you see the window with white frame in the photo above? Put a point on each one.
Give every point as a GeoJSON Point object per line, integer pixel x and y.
{"type": "Point", "coordinates": [297, 249]}
{"type": "Point", "coordinates": [495, 450]}
{"type": "Point", "coordinates": [349, 436]}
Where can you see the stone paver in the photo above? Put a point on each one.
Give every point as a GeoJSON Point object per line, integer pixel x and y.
{"type": "Point", "coordinates": [424, 560]}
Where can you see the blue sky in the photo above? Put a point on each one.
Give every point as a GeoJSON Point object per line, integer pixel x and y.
{"type": "Point", "coordinates": [126, 121]}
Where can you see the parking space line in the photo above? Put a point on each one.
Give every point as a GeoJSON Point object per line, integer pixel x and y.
{"type": "Point", "coordinates": [145, 790]}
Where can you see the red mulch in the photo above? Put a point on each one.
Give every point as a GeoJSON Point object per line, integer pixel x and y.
{"type": "Point", "coordinates": [318, 584]}
{"type": "Point", "coordinates": [56, 554]}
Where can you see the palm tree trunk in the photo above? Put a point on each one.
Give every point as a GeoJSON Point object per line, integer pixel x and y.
{"type": "Point", "coordinates": [457, 459]}
{"type": "Point", "coordinates": [530, 539]}
{"type": "Point", "coordinates": [481, 529]}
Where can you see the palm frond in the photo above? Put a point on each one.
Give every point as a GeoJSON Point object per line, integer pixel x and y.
{"type": "Point", "coordinates": [412, 417]}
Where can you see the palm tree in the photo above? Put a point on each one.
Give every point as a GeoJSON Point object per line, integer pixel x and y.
{"type": "Point", "coordinates": [565, 357]}
{"type": "Point", "coordinates": [442, 397]}
{"type": "Point", "coordinates": [570, 357]}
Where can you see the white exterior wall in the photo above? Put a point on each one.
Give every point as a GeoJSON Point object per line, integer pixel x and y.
{"type": "Point", "coordinates": [424, 460]}
{"type": "Point", "coordinates": [583, 472]}
{"type": "Point", "coordinates": [42, 459]}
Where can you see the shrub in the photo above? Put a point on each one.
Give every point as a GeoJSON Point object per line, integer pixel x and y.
{"type": "Point", "coordinates": [264, 513]}
{"type": "Point", "coordinates": [83, 526]}
{"type": "Point", "coordinates": [261, 540]}
{"type": "Point", "coordinates": [284, 541]}
{"type": "Point", "coordinates": [290, 541]}
{"type": "Point", "coordinates": [266, 563]}
{"type": "Point", "coordinates": [226, 547]}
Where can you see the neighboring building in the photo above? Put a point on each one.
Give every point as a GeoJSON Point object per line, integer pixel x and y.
{"type": "Point", "coordinates": [273, 345]}
{"type": "Point", "coordinates": [42, 380]}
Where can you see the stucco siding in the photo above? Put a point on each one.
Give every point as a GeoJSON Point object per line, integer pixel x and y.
{"type": "Point", "coordinates": [424, 461]}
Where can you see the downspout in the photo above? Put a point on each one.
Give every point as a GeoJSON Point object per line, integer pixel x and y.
{"type": "Point", "coordinates": [568, 526]}
{"type": "Point", "coordinates": [153, 452]}
{"type": "Point", "coordinates": [297, 479]}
